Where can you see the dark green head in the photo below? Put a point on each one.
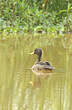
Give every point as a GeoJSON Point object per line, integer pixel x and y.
{"type": "Point", "coordinates": [38, 52]}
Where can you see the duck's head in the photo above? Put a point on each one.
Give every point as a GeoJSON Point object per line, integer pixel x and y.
{"type": "Point", "coordinates": [38, 52]}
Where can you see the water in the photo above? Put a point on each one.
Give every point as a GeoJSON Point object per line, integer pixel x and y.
{"type": "Point", "coordinates": [16, 89]}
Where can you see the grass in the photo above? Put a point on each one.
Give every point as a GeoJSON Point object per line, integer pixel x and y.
{"type": "Point", "coordinates": [23, 16]}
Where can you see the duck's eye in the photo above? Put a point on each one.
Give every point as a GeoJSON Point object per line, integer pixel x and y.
{"type": "Point", "coordinates": [35, 51]}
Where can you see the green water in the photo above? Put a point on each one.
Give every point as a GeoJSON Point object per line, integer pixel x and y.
{"type": "Point", "coordinates": [16, 91]}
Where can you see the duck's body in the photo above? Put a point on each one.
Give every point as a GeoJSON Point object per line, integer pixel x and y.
{"type": "Point", "coordinates": [41, 68]}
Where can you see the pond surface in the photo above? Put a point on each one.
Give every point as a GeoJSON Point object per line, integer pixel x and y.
{"type": "Point", "coordinates": [17, 91]}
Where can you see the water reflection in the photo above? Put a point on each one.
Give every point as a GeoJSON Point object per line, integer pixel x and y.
{"type": "Point", "coordinates": [16, 92]}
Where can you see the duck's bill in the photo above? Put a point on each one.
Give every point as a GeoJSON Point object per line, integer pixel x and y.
{"type": "Point", "coordinates": [31, 53]}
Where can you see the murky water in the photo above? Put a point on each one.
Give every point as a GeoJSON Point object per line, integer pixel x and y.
{"type": "Point", "coordinates": [16, 90]}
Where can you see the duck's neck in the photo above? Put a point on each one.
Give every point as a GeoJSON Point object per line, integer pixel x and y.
{"type": "Point", "coordinates": [39, 58]}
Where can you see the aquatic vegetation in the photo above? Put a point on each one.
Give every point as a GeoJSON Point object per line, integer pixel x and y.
{"type": "Point", "coordinates": [35, 16]}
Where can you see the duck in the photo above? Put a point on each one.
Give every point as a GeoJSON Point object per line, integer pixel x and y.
{"type": "Point", "coordinates": [41, 68]}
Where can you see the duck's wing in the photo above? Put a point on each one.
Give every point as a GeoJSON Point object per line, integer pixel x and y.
{"type": "Point", "coordinates": [45, 65]}
{"type": "Point", "coordinates": [48, 67]}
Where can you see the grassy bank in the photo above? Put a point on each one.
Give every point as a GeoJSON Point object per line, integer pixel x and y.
{"type": "Point", "coordinates": [35, 16]}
